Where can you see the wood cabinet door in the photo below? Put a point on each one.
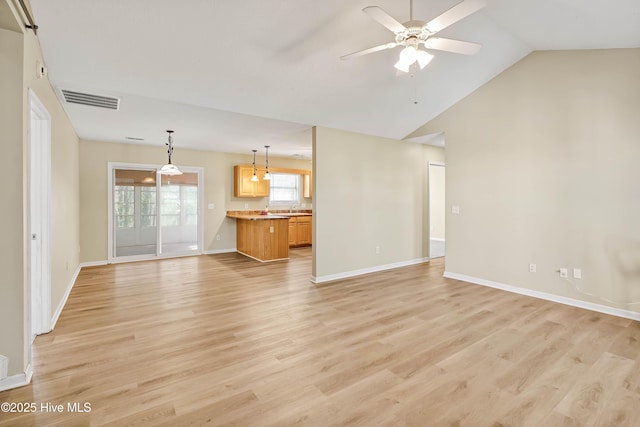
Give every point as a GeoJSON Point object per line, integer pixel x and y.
{"type": "Point", "coordinates": [293, 234]}
{"type": "Point", "coordinates": [262, 188]}
{"type": "Point", "coordinates": [304, 233]}
{"type": "Point", "coordinates": [307, 187]}
{"type": "Point", "coordinates": [243, 186]}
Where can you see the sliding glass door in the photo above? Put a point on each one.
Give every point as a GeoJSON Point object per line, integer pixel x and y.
{"type": "Point", "coordinates": [179, 213]}
{"type": "Point", "coordinates": [153, 215]}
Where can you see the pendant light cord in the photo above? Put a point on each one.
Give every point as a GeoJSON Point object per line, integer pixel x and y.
{"type": "Point", "coordinates": [169, 144]}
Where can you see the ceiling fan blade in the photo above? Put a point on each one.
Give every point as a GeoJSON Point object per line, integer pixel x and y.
{"type": "Point", "coordinates": [370, 50]}
{"type": "Point", "coordinates": [450, 45]}
{"type": "Point", "coordinates": [384, 18]}
{"type": "Point", "coordinates": [455, 14]}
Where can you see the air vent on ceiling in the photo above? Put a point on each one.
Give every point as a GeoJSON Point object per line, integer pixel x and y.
{"type": "Point", "coordinates": [99, 101]}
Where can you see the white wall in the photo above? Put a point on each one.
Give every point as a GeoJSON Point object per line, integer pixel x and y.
{"type": "Point", "coordinates": [543, 161]}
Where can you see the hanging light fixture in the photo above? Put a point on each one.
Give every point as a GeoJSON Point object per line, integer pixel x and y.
{"type": "Point", "coordinates": [254, 178]}
{"type": "Point", "coordinates": [267, 175]}
{"type": "Point", "coordinates": [410, 55]}
{"type": "Point", "coordinates": [169, 168]}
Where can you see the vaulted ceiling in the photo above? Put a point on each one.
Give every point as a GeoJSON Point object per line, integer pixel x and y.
{"type": "Point", "coordinates": [231, 75]}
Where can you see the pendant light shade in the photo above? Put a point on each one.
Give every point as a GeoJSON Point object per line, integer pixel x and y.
{"type": "Point", "coordinates": [169, 168]}
{"type": "Point", "coordinates": [410, 55]}
{"type": "Point", "coordinates": [267, 175]}
{"type": "Point", "coordinates": [254, 178]}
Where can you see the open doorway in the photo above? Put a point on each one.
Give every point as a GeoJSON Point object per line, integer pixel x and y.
{"type": "Point", "coordinates": [437, 241]}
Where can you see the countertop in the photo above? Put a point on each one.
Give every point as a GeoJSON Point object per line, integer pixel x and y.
{"type": "Point", "coordinates": [256, 215]}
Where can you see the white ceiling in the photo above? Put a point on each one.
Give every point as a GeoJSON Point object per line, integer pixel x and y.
{"type": "Point", "coordinates": [231, 75]}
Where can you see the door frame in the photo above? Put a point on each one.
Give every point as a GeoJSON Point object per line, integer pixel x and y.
{"type": "Point", "coordinates": [111, 258]}
{"type": "Point", "coordinates": [39, 217]}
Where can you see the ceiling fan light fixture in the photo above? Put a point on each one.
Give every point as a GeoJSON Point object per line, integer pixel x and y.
{"type": "Point", "coordinates": [423, 58]}
{"type": "Point", "coordinates": [402, 66]}
{"type": "Point", "coordinates": [409, 55]}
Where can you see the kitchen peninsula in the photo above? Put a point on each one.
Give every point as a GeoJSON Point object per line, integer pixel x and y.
{"type": "Point", "coordinates": [266, 237]}
{"type": "Point", "coordinates": [262, 237]}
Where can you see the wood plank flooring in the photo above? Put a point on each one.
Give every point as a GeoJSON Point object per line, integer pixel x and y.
{"type": "Point", "coordinates": [225, 340]}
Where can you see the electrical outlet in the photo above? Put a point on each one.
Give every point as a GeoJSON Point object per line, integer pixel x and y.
{"type": "Point", "coordinates": [564, 273]}
{"type": "Point", "coordinates": [217, 237]}
{"type": "Point", "coordinates": [377, 249]}
{"type": "Point", "coordinates": [211, 206]}
{"type": "Point", "coordinates": [455, 209]}
{"type": "Point", "coordinates": [246, 205]}
{"type": "Point", "coordinates": [577, 273]}
{"type": "Point", "coordinates": [271, 229]}
{"type": "Point", "coordinates": [532, 268]}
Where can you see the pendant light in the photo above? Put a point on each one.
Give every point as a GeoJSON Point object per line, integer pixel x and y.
{"type": "Point", "coordinates": [169, 168]}
{"type": "Point", "coordinates": [267, 175]}
{"type": "Point", "coordinates": [254, 178]}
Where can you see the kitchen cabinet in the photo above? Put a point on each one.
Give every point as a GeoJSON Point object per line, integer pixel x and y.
{"type": "Point", "coordinates": [244, 187]}
{"type": "Point", "coordinates": [262, 239]}
{"type": "Point", "coordinates": [307, 187]}
{"type": "Point", "coordinates": [300, 231]}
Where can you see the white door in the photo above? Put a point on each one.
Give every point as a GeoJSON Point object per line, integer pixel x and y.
{"type": "Point", "coordinates": [39, 216]}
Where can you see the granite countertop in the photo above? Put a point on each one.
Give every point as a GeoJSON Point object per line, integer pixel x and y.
{"type": "Point", "coordinates": [256, 215]}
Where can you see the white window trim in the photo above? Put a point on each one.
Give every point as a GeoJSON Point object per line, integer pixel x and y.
{"type": "Point", "coordinates": [287, 203]}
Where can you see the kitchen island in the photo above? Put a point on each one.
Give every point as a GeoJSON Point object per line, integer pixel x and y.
{"type": "Point", "coordinates": [261, 237]}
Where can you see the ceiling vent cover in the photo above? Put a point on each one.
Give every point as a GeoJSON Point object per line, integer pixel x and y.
{"type": "Point", "coordinates": [99, 101]}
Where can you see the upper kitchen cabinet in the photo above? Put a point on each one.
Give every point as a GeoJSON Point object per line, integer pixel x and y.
{"type": "Point", "coordinates": [307, 187]}
{"type": "Point", "coordinates": [244, 187]}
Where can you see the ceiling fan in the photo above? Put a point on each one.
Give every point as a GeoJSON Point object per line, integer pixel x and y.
{"type": "Point", "coordinates": [412, 34]}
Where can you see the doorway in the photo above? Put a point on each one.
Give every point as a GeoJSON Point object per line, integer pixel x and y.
{"type": "Point", "coordinates": [437, 241]}
{"type": "Point", "coordinates": [153, 215]}
{"type": "Point", "coordinates": [39, 217]}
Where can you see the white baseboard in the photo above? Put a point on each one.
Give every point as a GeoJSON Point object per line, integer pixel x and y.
{"type": "Point", "coordinates": [353, 273]}
{"type": "Point", "coordinates": [93, 264]}
{"type": "Point", "coordinates": [63, 301]}
{"type": "Point", "coordinates": [220, 251]}
{"type": "Point", "coordinates": [627, 314]}
{"type": "Point", "coordinates": [17, 380]}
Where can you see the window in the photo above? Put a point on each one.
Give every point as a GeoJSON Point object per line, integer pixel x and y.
{"type": "Point", "coordinates": [179, 205]}
{"type": "Point", "coordinates": [285, 188]}
{"type": "Point", "coordinates": [148, 206]}
{"type": "Point", "coordinates": [124, 205]}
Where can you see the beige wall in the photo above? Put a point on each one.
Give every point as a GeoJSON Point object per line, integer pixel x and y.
{"type": "Point", "coordinates": [12, 196]}
{"type": "Point", "coordinates": [65, 205]}
{"type": "Point", "coordinates": [543, 162]}
{"type": "Point", "coordinates": [19, 53]}
{"type": "Point", "coordinates": [218, 189]}
{"type": "Point", "coordinates": [369, 192]}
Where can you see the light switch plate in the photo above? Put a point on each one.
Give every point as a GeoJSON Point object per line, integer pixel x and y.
{"type": "Point", "coordinates": [455, 209]}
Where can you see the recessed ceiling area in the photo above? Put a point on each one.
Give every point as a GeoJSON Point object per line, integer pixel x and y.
{"type": "Point", "coordinates": [232, 76]}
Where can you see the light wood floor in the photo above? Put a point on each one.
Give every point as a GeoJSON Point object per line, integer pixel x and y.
{"type": "Point", "coordinates": [225, 340]}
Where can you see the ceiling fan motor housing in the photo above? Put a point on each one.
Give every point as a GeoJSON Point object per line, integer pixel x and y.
{"type": "Point", "coordinates": [414, 34]}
